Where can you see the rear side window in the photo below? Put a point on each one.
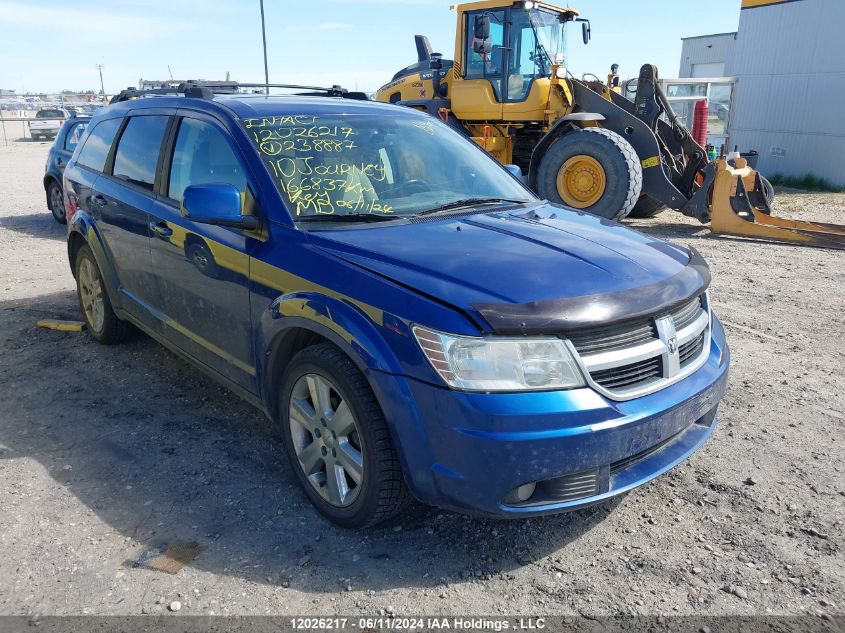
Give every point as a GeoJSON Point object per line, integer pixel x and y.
{"type": "Point", "coordinates": [96, 149]}
{"type": "Point", "coordinates": [138, 148]}
{"type": "Point", "coordinates": [202, 156]}
{"type": "Point", "coordinates": [73, 136]}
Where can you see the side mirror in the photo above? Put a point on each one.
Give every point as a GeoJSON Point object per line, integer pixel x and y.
{"type": "Point", "coordinates": [516, 172]}
{"type": "Point", "coordinates": [585, 31]}
{"type": "Point", "coordinates": [481, 27]}
{"type": "Point", "coordinates": [216, 204]}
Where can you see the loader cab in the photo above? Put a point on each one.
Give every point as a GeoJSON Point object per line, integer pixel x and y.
{"type": "Point", "coordinates": [504, 51]}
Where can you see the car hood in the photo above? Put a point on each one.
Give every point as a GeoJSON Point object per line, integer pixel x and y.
{"type": "Point", "coordinates": [530, 269]}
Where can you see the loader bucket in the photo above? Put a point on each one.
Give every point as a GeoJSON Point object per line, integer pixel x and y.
{"type": "Point", "coordinates": [739, 207]}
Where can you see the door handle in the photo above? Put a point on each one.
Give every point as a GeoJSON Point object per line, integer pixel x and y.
{"type": "Point", "coordinates": [161, 229]}
{"type": "Point", "coordinates": [59, 162]}
{"type": "Point", "coordinates": [100, 200]}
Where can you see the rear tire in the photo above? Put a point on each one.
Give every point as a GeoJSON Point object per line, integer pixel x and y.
{"type": "Point", "coordinates": [317, 446]}
{"type": "Point", "coordinates": [646, 207]}
{"type": "Point", "coordinates": [57, 203]}
{"type": "Point", "coordinates": [619, 182]}
{"type": "Point", "coordinates": [102, 322]}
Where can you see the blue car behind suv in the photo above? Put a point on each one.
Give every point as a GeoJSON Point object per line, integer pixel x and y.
{"type": "Point", "coordinates": [58, 157]}
{"type": "Point", "coordinates": [413, 318]}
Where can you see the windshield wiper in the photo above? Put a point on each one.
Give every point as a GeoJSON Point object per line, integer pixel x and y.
{"type": "Point", "coordinates": [347, 217]}
{"type": "Point", "coordinates": [467, 202]}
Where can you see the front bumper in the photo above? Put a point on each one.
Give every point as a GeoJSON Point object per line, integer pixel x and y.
{"type": "Point", "coordinates": [470, 451]}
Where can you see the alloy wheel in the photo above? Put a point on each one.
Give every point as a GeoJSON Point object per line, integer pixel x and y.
{"type": "Point", "coordinates": [326, 439]}
{"type": "Point", "coordinates": [91, 294]}
{"type": "Point", "coordinates": [57, 203]}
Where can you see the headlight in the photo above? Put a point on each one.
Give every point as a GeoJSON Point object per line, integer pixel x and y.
{"type": "Point", "coordinates": [499, 364]}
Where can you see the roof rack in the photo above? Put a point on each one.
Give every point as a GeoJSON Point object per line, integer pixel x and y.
{"type": "Point", "coordinates": [208, 89]}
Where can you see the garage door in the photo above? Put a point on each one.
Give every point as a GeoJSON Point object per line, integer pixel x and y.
{"type": "Point", "coordinates": [716, 69]}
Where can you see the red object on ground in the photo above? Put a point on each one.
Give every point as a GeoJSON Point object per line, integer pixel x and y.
{"type": "Point", "coordinates": [699, 123]}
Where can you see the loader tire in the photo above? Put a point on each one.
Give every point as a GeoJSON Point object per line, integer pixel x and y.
{"type": "Point", "coordinates": [768, 190]}
{"type": "Point", "coordinates": [646, 207]}
{"type": "Point", "coordinates": [593, 170]}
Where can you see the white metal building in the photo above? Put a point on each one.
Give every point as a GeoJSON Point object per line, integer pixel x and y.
{"type": "Point", "coordinates": [705, 55]}
{"type": "Point", "coordinates": [788, 61]}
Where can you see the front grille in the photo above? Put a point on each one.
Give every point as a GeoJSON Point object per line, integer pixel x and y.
{"type": "Point", "coordinates": [614, 337]}
{"type": "Point", "coordinates": [688, 352]}
{"type": "Point", "coordinates": [686, 314]}
{"type": "Point", "coordinates": [628, 375]}
{"type": "Point", "coordinates": [629, 359]}
{"type": "Point", "coordinates": [615, 467]}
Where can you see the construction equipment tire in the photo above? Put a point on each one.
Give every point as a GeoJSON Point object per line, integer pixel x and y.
{"type": "Point", "coordinates": [768, 190]}
{"type": "Point", "coordinates": [646, 207]}
{"type": "Point", "coordinates": [593, 170]}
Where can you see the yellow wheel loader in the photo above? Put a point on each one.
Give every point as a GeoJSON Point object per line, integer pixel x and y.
{"type": "Point", "coordinates": [577, 142]}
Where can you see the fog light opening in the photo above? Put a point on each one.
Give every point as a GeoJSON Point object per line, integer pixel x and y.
{"type": "Point", "coordinates": [521, 494]}
{"type": "Point", "coordinates": [526, 491]}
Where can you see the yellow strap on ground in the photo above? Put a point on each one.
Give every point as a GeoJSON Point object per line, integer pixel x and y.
{"type": "Point", "coordinates": [61, 326]}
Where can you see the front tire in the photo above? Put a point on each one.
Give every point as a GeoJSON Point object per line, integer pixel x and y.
{"type": "Point", "coordinates": [102, 322]}
{"type": "Point", "coordinates": [594, 170]}
{"type": "Point", "coordinates": [337, 440]}
{"type": "Point", "coordinates": [202, 258]}
{"type": "Point", "coordinates": [57, 202]}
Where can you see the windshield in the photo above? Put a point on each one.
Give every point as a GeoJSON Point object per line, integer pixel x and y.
{"type": "Point", "coordinates": [49, 114]}
{"type": "Point", "coordinates": [539, 41]}
{"type": "Point", "coordinates": [375, 165]}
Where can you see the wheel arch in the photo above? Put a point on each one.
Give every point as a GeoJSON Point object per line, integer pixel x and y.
{"type": "Point", "coordinates": [295, 321]}
{"type": "Point", "coordinates": [561, 127]}
{"type": "Point", "coordinates": [48, 180]}
{"type": "Point", "coordinates": [83, 232]}
{"type": "Point", "coordinates": [193, 238]}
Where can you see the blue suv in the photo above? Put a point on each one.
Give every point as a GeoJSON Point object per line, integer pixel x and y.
{"type": "Point", "coordinates": [416, 321]}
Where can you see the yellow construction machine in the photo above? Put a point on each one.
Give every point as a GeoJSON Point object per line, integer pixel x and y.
{"type": "Point", "coordinates": [578, 142]}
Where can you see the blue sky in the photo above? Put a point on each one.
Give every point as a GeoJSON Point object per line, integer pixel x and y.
{"type": "Point", "coordinates": [48, 45]}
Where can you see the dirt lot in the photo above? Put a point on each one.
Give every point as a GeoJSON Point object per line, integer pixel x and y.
{"type": "Point", "coordinates": [106, 453]}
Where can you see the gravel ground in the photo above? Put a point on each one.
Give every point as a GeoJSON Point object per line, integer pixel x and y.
{"type": "Point", "coordinates": [108, 452]}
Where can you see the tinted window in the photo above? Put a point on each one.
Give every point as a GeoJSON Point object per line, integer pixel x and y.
{"type": "Point", "coordinates": [202, 156]}
{"type": "Point", "coordinates": [137, 150]}
{"type": "Point", "coordinates": [49, 114]}
{"type": "Point", "coordinates": [96, 149]}
{"type": "Point", "coordinates": [73, 136]}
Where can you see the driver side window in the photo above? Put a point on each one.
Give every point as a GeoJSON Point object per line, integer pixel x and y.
{"type": "Point", "coordinates": [202, 156]}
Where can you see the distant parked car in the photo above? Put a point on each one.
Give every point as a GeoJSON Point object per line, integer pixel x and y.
{"type": "Point", "coordinates": [66, 141]}
{"type": "Point", "coordinates": [47, 123]}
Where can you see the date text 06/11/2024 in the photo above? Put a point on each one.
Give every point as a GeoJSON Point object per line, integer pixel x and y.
{"type": "Point", "coordinates": [418, 623]}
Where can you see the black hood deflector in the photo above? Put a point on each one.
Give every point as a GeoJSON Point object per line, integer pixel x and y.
{"type": "Point", "coordinates": [599, 310]}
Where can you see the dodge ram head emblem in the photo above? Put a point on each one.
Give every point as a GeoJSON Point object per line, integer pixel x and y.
{"type": "Point", "coordinates": [672, 344]}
